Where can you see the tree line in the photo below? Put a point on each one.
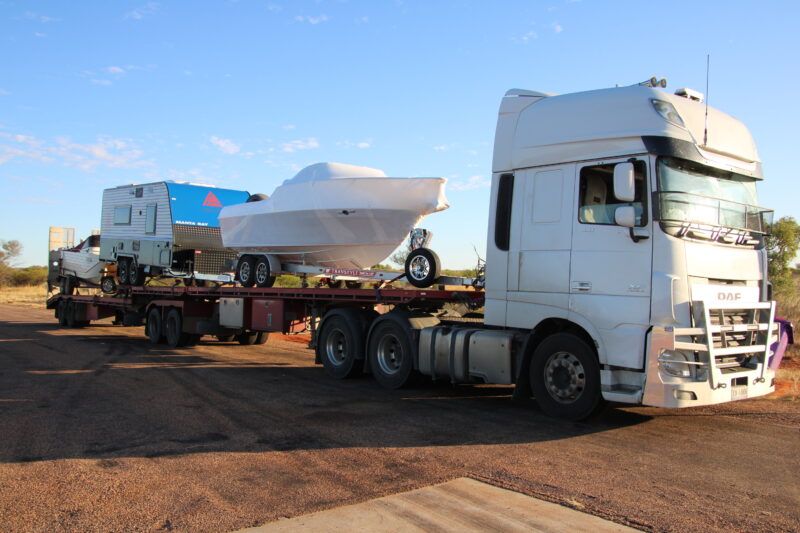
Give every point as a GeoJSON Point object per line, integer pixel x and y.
{"type": "Point", "coordinates": [18, 277]}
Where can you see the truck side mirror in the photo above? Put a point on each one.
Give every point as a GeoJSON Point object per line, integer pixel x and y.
{"type": "Point", "coordinates": [625, 216]}
{"type": "Point", "coordinates": [623, 182]}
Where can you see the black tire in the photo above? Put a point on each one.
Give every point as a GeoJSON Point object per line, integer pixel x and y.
{"type": "Point", "coordinates": [422, 268]}
{"type": "Point", "coordinates": [263, 275]}
{"type": "Point", "coordinates": [173, 328]}
{"type": "Point", "coordinates": [340, 346]}
{"type": "Point", "coordinates": [565, 377]}
{"type": "Point", "coordinates": [352, 284]}
{"type": "Point", "coordinates": [108, 285]}
{"type": "Point", "coordinates": [391, 355]}
{"type": "Point", "coordinates": [123, 269]}
{"type": "Point", "coordinates": [262, 337]}
{"type": "Point", "coordinates": [62, 313]}
{"type": "Point", "coordinates": [71, 313]}
{"type": "Point", "coordinates": [225, 338]}
{"type": "Point", "coordinates": [334, 284]}
{"type": "Point", "coordinates": [248, 338]}
{"type": "Point", "coordinates": [245, 271]}
{"type": "Point", "coordinates": [155, 329]}
{"type": "Point", "coordinates": [135, 275]}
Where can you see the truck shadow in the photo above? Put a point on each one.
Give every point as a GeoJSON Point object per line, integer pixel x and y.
{"type": "Point", "coordinates": [102, 395]}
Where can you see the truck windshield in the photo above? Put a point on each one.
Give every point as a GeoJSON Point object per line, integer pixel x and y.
{"type": "Point", "coordinates": [691, 193]}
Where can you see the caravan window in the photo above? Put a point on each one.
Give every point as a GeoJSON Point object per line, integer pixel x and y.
{"type": "Point", "coordinates": [150, 219]}
{"type": "Point", "coordinates": [122, 214]}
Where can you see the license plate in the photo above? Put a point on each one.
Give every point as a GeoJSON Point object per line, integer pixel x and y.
{"type": "Point", "coordinates": [738, 392]}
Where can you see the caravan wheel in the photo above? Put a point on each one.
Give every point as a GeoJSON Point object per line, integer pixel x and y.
{"type": "Point", "coordinates": [245, 271]}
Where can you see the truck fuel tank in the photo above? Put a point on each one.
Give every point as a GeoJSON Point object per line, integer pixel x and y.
{"type": "Point", "coordinates": [466, 355]}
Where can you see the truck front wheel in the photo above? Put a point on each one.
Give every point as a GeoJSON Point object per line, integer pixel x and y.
{"type": "Point", "coordinates": [391, 355]}
{"type": "Point", "coordinates": [565, 377]}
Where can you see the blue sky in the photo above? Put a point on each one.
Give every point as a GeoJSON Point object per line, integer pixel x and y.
{"type": "Point", "coordinates": [242, 94]}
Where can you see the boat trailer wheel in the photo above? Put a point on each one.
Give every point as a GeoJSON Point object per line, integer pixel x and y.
{"type": "Point", "coordinates": [422, 268]}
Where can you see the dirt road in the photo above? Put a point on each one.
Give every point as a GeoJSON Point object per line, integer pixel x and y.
{"type": "Point", "coordinates": [101, 431]}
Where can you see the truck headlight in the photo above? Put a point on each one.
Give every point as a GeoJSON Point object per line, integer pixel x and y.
{"type": "Point", "coordinates": [674, 364]}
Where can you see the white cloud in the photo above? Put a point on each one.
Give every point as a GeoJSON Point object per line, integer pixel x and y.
{"type": "Point", "coordinates": [226, 146]}
{"type": "Point", "coordinates": [558, 28]}
{"type": "Point", "coordinates": [102, 82]}
{"type": "Point", "coordinates": [142, 11]}
{"type": "Point", "coordinates": [41, 18]}
{"type": "Point", "coordinates": [474, 182]}
{"type": "Point", "coordinates": [531, 35]}
{"type": "Point", "coordinates": [274, 8]}
{"type": "Point", "coordinates": [366, 143]}
{"type": "Point", "coordinates": [306, 144]}
{"type": "Point", "coordinates": [443, 147]}
{"type": "Point", "coordinates": [312, 20]}
{"type": "Point", "coordinates": [106, 152]}
{"type": "Point", "coordinates": [116, 70]}
{"type": "Point", "coordinates": [362, 20]}
{"type": "Point", "coordinates": [3, 92]}
{"type": "Point", "coordinates": [39, 34]}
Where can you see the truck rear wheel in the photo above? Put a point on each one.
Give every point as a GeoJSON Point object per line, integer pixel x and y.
{"type": "Point", "coordinates": [245, 271]}
{"type": "Point", "coordinates": [173, 329]}
{"type": "Point", "coordinates": [565, 377]}
{"type": "Point", "coordinates": [248, 338]}
{"type": "Point", "coordinates": [62, 313]}
{"type": "Point", "coordinates": [422, 268]}
{"type": "Point", "coordinates": [155, 331]}
{"type": "Point", "coordinates": [340, 346]}
{"type": "Point", "coordinates": [391, 354]}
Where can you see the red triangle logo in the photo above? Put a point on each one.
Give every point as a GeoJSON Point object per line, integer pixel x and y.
{"type": "Point", "coordinates": [212, 201]}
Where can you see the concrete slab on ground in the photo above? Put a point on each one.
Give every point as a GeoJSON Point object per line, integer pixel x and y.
{"type": "Point", "coordinates": [456, 506]}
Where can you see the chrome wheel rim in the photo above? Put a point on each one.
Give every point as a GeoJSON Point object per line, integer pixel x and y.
{"type": "Point", "coordinates": [262, 272]}
{"type": "Point", "coordinates": [390, 354]}
{"type": "Point", "coordinates": [244, 271]}
{"type": "Point", "coordinates": [419, 268]}
{"type": "Point", "coordinates": [564, 377]}
{"type": "Point", "coordinates": [336, 347]}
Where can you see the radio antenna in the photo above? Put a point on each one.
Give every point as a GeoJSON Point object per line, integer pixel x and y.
{"type": "Point", "coordinates": [708, 67]}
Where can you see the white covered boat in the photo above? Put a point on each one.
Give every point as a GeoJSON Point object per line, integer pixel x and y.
{"type": "Point", "coordinates": [332, 214]}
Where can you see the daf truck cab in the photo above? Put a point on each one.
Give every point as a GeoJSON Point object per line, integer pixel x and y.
{"type": "Point", "coordinates": [625, 237]}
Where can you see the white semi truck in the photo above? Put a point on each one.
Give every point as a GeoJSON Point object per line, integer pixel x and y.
{"type": "Point", "coordinates": [625, 262]}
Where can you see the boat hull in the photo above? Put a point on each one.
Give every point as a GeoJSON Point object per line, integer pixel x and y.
{"type": "Point", "coordinates": [352, 223]}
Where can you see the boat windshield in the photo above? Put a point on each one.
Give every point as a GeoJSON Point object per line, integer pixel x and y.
{"type": "Point", "coordinates": [691, 193]}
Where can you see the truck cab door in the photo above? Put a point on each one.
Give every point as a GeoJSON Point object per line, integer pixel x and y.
{"type": "Point", "coordinates": [611, 264]}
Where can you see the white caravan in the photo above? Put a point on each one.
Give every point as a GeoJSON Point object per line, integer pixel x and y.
{"type": "Point", "coordinates": [624, 233]}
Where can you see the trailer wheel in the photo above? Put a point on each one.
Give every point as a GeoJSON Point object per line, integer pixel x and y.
{"type": "Point", "coordinates": [352, 284]}
{"type": "Point", "coordinates": [108, 285]}
{"type": "Point", "coordinates": [565, 377]}
{"type": "Point", "coordinates": [422, 267]}
{"type": "Point", "coordinates": [340, 346]}
{"type": "Point", "coordinates": [245, 271]}
{"type": "Point", "coordinates": [62, 313]}
{"type": "Point", "coordinates": [391, 355]}
{"type": "Point", "coordinates": [135, 275]}
{"type": "Point", "coordinates": [123, 269]}
{"type": "Point", "coordinates": [155, 331]}
{"type": "Point", "coordinates": [248, 338]}
{"type": "Point", "coordinates": [173, 329]}
{"type": "Point", "coordinates": [263, 276]}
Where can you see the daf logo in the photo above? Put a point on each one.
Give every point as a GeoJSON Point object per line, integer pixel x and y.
{"type": "Point", "coordinates": [729, 296]}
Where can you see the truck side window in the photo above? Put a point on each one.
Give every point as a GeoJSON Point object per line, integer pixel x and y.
{"type": "Point", "coordinates": [502, 218]}
{"type": "Point", "coordinates": [597, 202]}
{"type": "Point", "coordinates": [122, 214]}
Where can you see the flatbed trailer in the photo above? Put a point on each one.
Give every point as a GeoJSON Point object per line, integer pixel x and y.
{"type": "Point", "coordinates": [341, 322]}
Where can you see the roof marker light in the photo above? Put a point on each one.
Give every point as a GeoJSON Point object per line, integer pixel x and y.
{"type": "Point", "coordinates": [668, 111]}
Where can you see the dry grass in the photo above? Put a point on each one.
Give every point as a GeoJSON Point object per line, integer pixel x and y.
{"type": "Point", "coordinates": [34, 295]}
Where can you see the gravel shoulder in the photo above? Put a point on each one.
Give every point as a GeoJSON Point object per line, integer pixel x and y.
{"type": "Point", "coordinates": [102, 431]}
